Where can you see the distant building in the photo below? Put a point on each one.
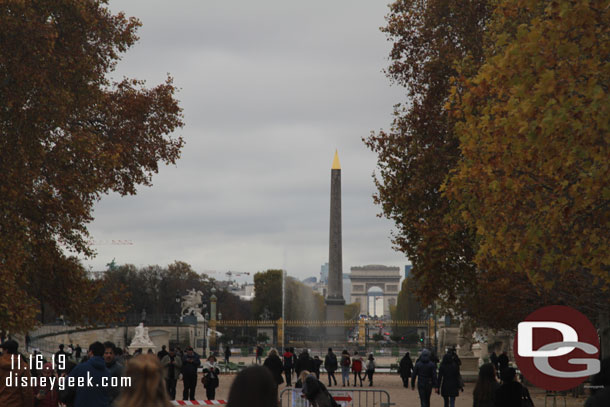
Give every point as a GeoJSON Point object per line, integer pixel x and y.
{"type": "Point", "coordinates": [324, 273]}
{"type": "Point", "coordinates": [245, 291]}
{"type": "Point", "coordinates": [408, 268]}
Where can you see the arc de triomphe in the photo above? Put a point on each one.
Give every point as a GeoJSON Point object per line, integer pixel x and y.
{"type": "Point", "coordinates": [364, 278]}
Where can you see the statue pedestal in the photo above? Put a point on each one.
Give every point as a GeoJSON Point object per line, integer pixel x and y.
{"type": "Point", "coordinates": [469, 368]}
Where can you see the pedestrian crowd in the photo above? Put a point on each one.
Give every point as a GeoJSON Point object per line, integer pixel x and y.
{"type": "Point", "coordinates": [153, 378]}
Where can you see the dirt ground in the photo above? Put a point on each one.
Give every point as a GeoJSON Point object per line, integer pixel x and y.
{"type": "Point", "coordinates": [400, 396]}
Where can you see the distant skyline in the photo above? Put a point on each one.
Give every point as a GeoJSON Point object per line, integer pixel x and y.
{"type": "Point", "coordinates": [269, 89]}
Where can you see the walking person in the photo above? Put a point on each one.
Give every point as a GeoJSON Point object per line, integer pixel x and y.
{"type": "Point", "coordinates": [370, 369]}
{"type": "Point", "coordinates": [484, 394]}
{"type": "Point", "coordinates": [346, 362]}
{"type": "Point", "coordinates": [190, 364]}
{"type": "Point", "coordinates": [331, 364]}
{"type": "Point", "coordinates": [405, 368]}
{"type": "Point", "coordinates": [275, 366]}
{"type": "Point", "coordinates": [288, 366]}
{"type": "Point", "coordinates": [210, 379]}
{"type": "Point", "coordinates": [449, 380]}
{"type": "Point", "coordinates": [259, 354]}
{"type": "Point", "coordinates": [357, 368]}
{"type": "Point", "coordinates": [316, 363]}
{"type": "Point", "coordinates": [227, 354]}
{"type": "Point", "coordinates": [172, 364]}
{"type": "Point", "coordinates": [147, 389]}
{"type": "Point", "coordinates": [424, 373]}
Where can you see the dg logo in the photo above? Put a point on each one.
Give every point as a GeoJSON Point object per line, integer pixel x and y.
{"type": "Point", "coordinates": [557, 348]}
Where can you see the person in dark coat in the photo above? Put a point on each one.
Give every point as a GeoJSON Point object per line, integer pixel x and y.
{"type": "Point", "coordinates": [493, 358]}
{"type": "Point", "coordinates": [502, 362]}
{"type": "Point", "coordinates": [511, 392]}
{"type": "Point", "coordinates": [600, 397]}
{"type": "Point", "coordinates": [95, 368]}
{"type": "Point", "coordinates": [316, 393]}
{"type": "Point", "coordinates": [405, 368]}
{"type": "Point", "coordinates": [114, 367]}
{"type": "Point", "coordinates": [288, 366]}
{"type": "Point", "coordinates": [162, 353]}
{"type": "Point", "coordinates": [190, 364]}
{"type": "Point", "coordinates": [210, 377]}
{"type": "Point", "coordinates": [484, 394]}
{"type": "Point", "coordinates": [227, 353]}
{"type": "Point", "coordinates": [304, 362]}
{"type": "Point", "coordinates": [449, 380]}
{"type": "Point", "coordinates": [424, 373]}
{"type": "Point", "coordinates": [274, 364]}
{"type": "Point", "coordinates": [331, 365]}
{"type": "Point", "coordinates": [316, 363]}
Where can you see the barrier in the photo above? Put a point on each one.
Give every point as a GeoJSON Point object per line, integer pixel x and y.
{"type": "Point", "coordinates": [197, 402]}
{"type": "Point", "coordinates": [345, 397]}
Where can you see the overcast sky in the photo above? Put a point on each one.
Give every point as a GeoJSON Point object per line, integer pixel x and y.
{"type": "Point", "coordinates": [269, 90]}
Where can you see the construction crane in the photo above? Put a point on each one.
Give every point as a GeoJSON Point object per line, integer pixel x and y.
{"type": "Point", "coordinates": [110, 242]}
{"type": "Point", "coordinates": [229, 274]}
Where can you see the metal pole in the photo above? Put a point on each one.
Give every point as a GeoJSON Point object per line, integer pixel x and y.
{"type": "Point", "coordinates": [283, 307]}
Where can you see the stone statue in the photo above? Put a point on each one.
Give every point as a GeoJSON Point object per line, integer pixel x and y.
{"type": "Point", "coordinates": [192, 304]}
{"type": "Point", "coordinates": [465, 338]}
{"type": "Point", "coordinates": [141, 338]}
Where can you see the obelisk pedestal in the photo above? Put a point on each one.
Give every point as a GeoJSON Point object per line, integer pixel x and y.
{"type": "Point", "coordinates": [335, 304]}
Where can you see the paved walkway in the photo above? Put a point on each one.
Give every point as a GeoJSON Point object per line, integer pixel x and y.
{"type": "Point", "coordinates": [392, 384]}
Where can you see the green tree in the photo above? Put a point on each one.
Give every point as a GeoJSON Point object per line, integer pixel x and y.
{"type": "Point", "coordinates": [68, 136]}
{"type": "Point", "coordinates": [267, 294]}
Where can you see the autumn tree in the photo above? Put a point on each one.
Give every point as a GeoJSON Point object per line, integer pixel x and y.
{"type": "Point", "coordinates": [68, 135]}
{"type": "Point", "coordinates": [534, 179]}
{"type": "Point", "coordinates": [417, 153]}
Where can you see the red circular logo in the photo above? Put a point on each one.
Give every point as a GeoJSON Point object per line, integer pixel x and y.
{"type": "Point", "coordinates": [556, 348]}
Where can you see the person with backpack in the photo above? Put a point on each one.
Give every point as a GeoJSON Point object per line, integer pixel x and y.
{"type": "Point", "coordinates": [357, 368]}
{"type": "Point", "coordinates": [330, 364]}
{"type": "Point", "coordinates": [346, 362]}
{"type": "Point", "coordinates": [288, 366]}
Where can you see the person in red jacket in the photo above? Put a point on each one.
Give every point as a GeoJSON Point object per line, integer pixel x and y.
{"type": "Point", "coordinates": [288, 366]}
{"type": "Point", "coordinates": [357, 368]}
{"type": "Point", "coordinates": [47, 395]}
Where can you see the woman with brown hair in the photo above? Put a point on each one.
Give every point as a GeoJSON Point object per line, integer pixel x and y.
{"type": "Point", "coordinates": [484, 394]}
{"type": "Point", "coordinates": [147, 387]}
{"type": "Point", "coordinates": [254, 386]}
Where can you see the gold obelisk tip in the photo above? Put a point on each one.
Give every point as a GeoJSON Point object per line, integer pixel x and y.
{"type": "Point", "coordinates": [336, 164]}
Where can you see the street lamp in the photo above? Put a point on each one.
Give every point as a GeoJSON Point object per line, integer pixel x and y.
{"type": "Point", "coordinates": [206, 336]}
{"type": "Point", "coordinates": [178, 299]}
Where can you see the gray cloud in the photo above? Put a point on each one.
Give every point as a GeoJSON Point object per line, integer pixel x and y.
{"type": "Point", "coordinates": [269, 91]}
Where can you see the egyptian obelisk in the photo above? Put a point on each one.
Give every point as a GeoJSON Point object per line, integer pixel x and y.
{"type": "Point", "coordinates": [335, 303]}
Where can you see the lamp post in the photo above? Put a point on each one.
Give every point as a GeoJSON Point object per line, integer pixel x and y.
{"type": "Point", "coordinates": [178, 299]}
{"type": "Point", "coordinates": [205, 335]}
